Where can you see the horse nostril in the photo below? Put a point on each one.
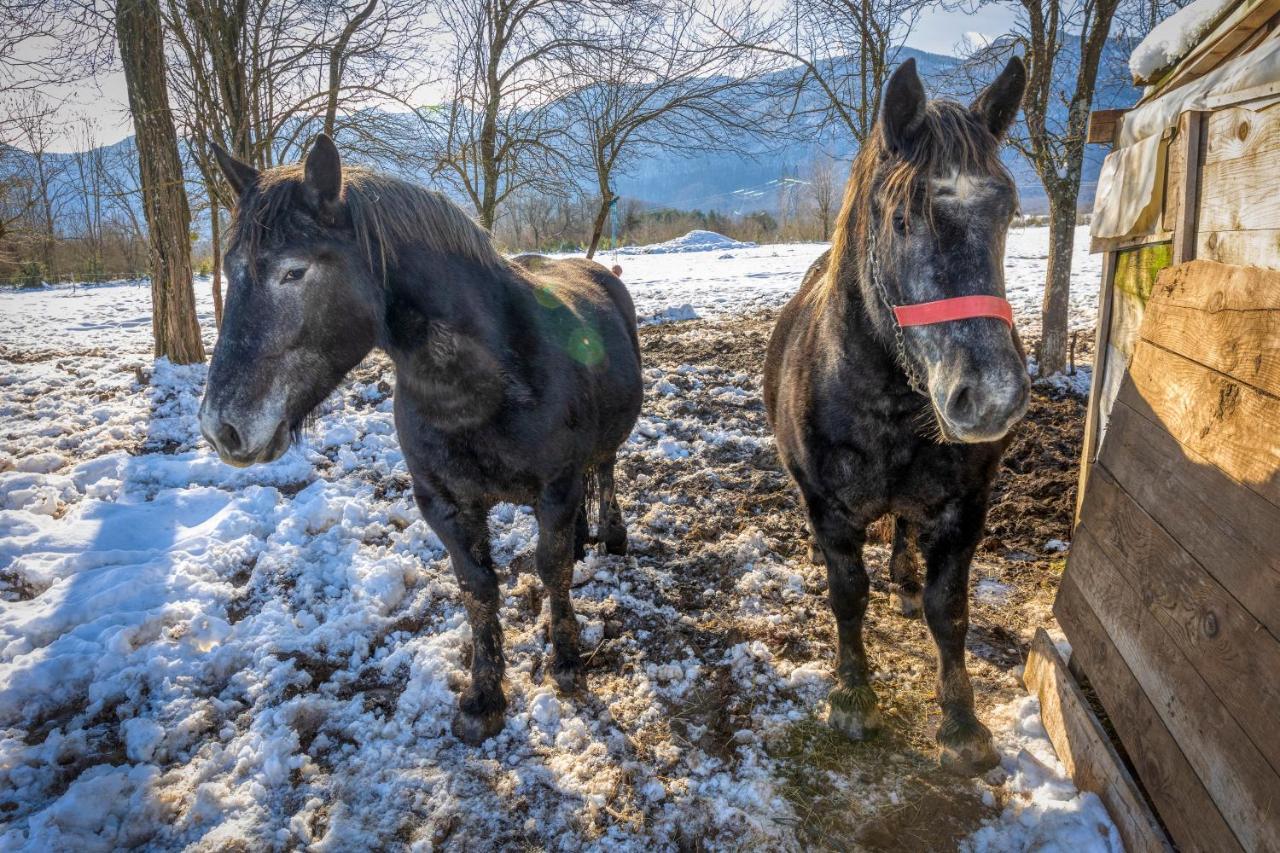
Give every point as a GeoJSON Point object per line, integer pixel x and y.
{"type": "Point", "coordinates": [228, 438]}
{"type": "Point", "coordinates": [961, 406]}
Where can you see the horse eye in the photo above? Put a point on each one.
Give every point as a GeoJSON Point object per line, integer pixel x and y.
{"type": "Point", "coordinates": [899, 223]}
{"type": "Point", "coordinates": [295, 274]}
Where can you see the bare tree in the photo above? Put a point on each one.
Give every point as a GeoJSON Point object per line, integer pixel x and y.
{"type": "Point", "coordinates": [824, 189]}
{"type": "Point", "coordinates": [497, 131]}
{"type": "Point", "coordinates": [1062, 42]}
{"type": "Point", "coordinates": [658, 79]}
{"type": "Point", "coordinates": [173, 313]}
{"type": "Point", "coordinates": [839, 54]}
{"type": "Point", "coordinates": [36, 132]}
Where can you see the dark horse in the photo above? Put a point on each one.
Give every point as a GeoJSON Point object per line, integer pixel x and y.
{"type": "Point", "coordinates": [873, 418]}
{"type": "Point", "coordinates": [515, 380]}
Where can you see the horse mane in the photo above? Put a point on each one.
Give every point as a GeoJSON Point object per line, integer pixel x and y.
{"type": "Point", "coordinates": [384, 212]}
{"type": "Point", "coordinates": [953, 139]}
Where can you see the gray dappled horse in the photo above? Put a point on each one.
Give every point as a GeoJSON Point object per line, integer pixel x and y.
{"type": "Point", "coordinates": [515, 380]}
{"type": "Point", "coordinates": [894, 376]}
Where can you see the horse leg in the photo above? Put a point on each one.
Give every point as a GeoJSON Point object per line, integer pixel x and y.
{"type": "Point", "coordinates": [465, 533]}
{"type": "Point", "coordinates": [852, 701]}
{"type": "Point", "coordinates": [613, 530]}
{"type": "Point", "coordinates": [556, 510]}
{"type": "Point", "coordinates": [964, 744]}
{"type": "Point", "coordinates": [581, 532]}
{"type": "Point", "coordinates": [904, 571]}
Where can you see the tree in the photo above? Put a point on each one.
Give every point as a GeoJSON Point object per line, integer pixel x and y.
{"type": "Point", "coordinates": [263, 76]}
{"type": "Point", "coordinates": [1062, 42]}
{"type": "Point", "coordinates": [824, 189]}
{"type": "Point", "coordinates": [839, 53]}
{"type": "Point", "coordinates": [36, 132]}
{"type": "Point", "coordinates": [656, 79]}
{"type": "Point", "coordinates": [164, 197]}
{"type": "Point", "coordinates": [497, 131]}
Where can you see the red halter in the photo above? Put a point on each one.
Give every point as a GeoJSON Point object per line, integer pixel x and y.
{"type": "Point", "coordinates": [957, 308]}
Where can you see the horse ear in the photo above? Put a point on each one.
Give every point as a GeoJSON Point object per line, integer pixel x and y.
{"type": "Point", "coordinates": [902, 113]}
{"type": "Point", "coordinates": [998, 104]}
{"type": "Point", "coordinates": [239, 175]}
{"type": "Point", "coordinates": [322, 172]}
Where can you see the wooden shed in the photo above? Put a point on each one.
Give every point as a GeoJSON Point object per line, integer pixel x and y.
{"type": "Point", "coordinates": [1171, 595]}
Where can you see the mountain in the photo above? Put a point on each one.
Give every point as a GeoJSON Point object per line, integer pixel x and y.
{"type": "Point", "coordinates": [717, 180]}
{"type": "Point", "coordinates": [752, 181]}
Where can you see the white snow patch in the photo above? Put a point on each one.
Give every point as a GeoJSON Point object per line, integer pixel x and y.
{"type": "Point", "coordinates": [1043, 810]}
{"type": "Point", "coordinates": [1174, 37]}
{"type": "Point", "coordinates": [695, 241]}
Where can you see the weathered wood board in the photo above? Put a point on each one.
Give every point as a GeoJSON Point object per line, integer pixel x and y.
{"type": "Point", "coordinates": [1171, 596]}
{"type": "Point", "coordinates": [1085, 750]}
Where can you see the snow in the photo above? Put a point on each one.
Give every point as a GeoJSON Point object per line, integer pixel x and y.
{"type": "Point", "coordinates": [194, 655]}
{"type": "Point", "coordinates": [1043, 810]}
{"type": "Point", "coordinates": [695, 241]}
{"type": "Point", "coordinates": [1174, 37]}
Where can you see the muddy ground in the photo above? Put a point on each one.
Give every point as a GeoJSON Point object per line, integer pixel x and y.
{"type": "Point", "coordinates": [736, 492]}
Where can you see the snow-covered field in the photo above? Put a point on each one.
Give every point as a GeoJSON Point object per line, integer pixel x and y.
{"type": "Point", "coordinates": [194, 656]}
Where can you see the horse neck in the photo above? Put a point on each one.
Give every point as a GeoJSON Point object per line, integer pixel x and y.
{"type": "Point", "coordinates": [851, 303]}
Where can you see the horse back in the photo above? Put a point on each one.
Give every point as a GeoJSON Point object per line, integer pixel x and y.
{"type": "Point", "coordinates": [789, 334]}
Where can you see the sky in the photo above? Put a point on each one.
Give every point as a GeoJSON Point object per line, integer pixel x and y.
{"type": "Point", "coordinates": [106, 100]}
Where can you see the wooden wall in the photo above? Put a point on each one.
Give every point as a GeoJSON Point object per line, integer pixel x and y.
{"type": "Point", "coordinates": [1171, 596]}
{"type": "Point", "coordinates": [1238, 211]}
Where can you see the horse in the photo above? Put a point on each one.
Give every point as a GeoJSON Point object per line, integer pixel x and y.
{"type": "Point", "coordinates": [515, 380]}
{"type": "Point", "coordinates": [894, 376]}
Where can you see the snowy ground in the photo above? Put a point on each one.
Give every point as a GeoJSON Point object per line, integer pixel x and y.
{"type": "Point", "coordinates": [195, 656]}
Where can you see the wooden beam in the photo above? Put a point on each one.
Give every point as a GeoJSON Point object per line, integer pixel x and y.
{"type": "Point", "coordinates": [1093, 414]}
{"type": "Point", "coordinates": [1086, 751]}
{"type": "Point", "coordinates": [1104, 125]}
{"type": "Point", "coordinates": [1191, 127]}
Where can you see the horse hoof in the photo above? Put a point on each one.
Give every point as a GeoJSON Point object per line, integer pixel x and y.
{"type": "Point", "coordinates": [475, 729]}
{"type": "Point", "coordinates": [616, 543]}
{"type": "Point", "coordinates": [815, 555]}
{"type": "Point", "coordinates": [966, 749]}
{"type": "Point", "coordinates": [907, 604]}
{"type": "Point", "coordinates": [569, 678]}
{"type": "Point", "coordinates": [853, 712]}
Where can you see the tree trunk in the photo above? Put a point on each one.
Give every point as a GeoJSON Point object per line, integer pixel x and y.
{"type": "Point", "coordinates": [597, 228]}
{"type": "Point", "coordinates": [164, 197]}
{"type": "Point", "coordinates": [1051, 354]}
{"type": "Point", "coordinates": [215, 241]}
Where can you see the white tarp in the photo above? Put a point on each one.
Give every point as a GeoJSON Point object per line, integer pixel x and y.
{"type": "Point", "coordinates": [1130, 193]}
{"type": "Point", "coordinates": [1131, 186]}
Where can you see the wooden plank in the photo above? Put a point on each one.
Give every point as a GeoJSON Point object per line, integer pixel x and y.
{"type": "Point", "coordinates": [1229, 530]}
{"type": "Point", "coordinates": [1179, 796]}
{"type": "Point", "coordinates": [1229, 424]}
{"type": "Point", "coordinates": [1094, 417]}
{"type": "Point", "coordinates": [1103, 126]}
{"type": "Point", "coordinates": [1086, 751]}
{"type": "Point", "coordinates": [1241, 782]}
{"type": "Point", "coordinates": [1256, 248]}
{"type": "Point", "coordinates": [1235, 655]}
{"type": "Point", "coordinates": [1235, 196]}
{"type": "Point", "coordinates": [1224, 317]}
{"type": "Point", "coordinates": [1175, 175]}
{"type": "Point", "coordinates": [1240, 133]}
{"type": "Point", "coordinates": [1191, 128]}
{"type": "Point", "coordinates": [1098, 245]}
{"type": "Point", "coordinates": [1243, 96]}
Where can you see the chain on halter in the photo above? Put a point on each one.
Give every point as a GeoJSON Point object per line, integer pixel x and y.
{"type": "Point", "coordinates": [913, 378]}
